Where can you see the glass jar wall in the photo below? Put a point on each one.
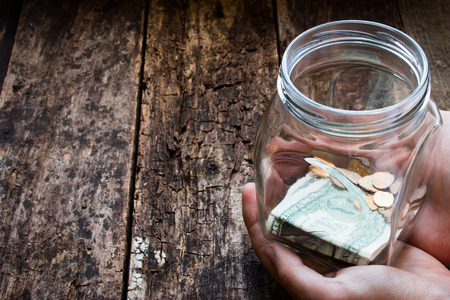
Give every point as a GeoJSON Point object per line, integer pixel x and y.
{"type": "Point", "coordinates": [341, 152]}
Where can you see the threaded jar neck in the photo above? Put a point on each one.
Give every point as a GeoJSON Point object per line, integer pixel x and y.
{"type": "Point", "coordinates": [354, 78]}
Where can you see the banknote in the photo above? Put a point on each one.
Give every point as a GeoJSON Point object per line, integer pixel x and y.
{"type": "Point", "coordinates": [321, 217]}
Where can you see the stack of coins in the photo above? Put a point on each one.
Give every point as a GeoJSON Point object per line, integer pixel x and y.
{"type": "Point", "coordinates": [380, 187]}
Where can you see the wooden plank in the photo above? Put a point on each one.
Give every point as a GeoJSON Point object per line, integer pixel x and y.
{"type": "Point", "coordinates": [296, 16]}
{"type": "Point", "coordinates": [428, 23]}
{"type": "Point", "coordinates": [67, 117]}
{"type": "Point", "coordinates": [9, 18]}
{"type": "Point", "coordinates": [210, 71]}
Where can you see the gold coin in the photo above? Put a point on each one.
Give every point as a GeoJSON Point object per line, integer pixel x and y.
{"type": "Point", "coordinates": [318, 172]}
{"type": "Point", "coordinates": [355, 166]}
{"type": "Point", "coordinates": [325, 161]}
{"type": "Point", "coordinates": [382, 180]}
{"type": "Point", "coordinates": [383, 199]}
{"type": "Point", "coordinates": [369, 201]}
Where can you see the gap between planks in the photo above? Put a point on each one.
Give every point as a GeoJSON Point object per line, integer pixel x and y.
{"type": "Point", "coordinates": [137, 129]}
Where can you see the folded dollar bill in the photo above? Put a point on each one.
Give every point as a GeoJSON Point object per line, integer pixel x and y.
{"type": "Point", "coordinates": [329, 220]}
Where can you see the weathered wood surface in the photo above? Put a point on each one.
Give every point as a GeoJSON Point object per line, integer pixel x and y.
{"type": "Point", "coordinates": [72, 169]}
{"type": "Point", "coordinates": [9, 17]}
{"type": "Point", "coordinates": [209, 72]}
{"type": "Point", "coordinates": [67, 118]}
{"type": "Point", "coordinates": [428, 23]}
{"type": "Point", "coordinates": [294, 17]}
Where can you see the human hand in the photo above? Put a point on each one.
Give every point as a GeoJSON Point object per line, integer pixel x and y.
{"type": "Point", "coordinates": [416, 274]}
{"type": "Point", "coordinates": [431, 233]}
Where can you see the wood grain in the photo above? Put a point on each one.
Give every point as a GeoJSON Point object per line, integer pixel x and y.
{"type": "Point", "coordinates": [428, 23]}
{"type": "Point", "coordinates": [294, 17]}
{"type": "Point", "coordinates": [210, 71]}
{"type": "Point", "coordinates": [9, 18]}
{"type": "Point", "coordinates": [67, 115]}
{"type": "Point", "coordinates": [70, 158]}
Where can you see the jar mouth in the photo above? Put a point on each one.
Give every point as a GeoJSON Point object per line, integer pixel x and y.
{"type": "Point", "coordinates": [354, 42]}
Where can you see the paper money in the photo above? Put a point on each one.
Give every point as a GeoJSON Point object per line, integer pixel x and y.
{"type": "Point", "coordinates": [332, 221]}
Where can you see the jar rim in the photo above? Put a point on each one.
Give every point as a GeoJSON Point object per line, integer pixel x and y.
{"type": "Point", "coordinates": [382, 35]}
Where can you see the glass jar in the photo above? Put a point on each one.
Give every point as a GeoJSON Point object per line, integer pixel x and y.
{"type": "Point", "coordinates": [341, 152]}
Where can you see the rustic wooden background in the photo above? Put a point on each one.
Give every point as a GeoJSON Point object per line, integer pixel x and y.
{"type": "Point", "coordinates": [126, 134]}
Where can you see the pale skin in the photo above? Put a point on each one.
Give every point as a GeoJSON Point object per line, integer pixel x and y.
{"type": "Point", "coordinates": [419, 272]}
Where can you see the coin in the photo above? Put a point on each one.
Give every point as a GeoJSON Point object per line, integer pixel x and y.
{"type": "Point", "coordinates": [325, 161]}
{"type": "Point", "coordinates": [357, 206]}
{"type": "Point", "coordinates": [369, 201]}
{"type": "Point", "coordinates": [366, 183]}
{"type": "Point", "coordinates": [405, 211]}
{"type": "Point", "coordinates": [355, 166]}
{"type": "Point", "coordinates": [383, 199]}
{"type": "Point", "coordinates": [318, 172]}
{"type": "Point", "coordinates": [336, 183]}
{"type": "Point", "coordinates": [395, 187]}
{"type": "Point", "coordinates": [386, 212]}
{"type": "Point", "coordinates": [419, 193]}
{"type": "Point", "coordinates": [382, 180]}
{"type": "Point", "coordinates": [351, 175]}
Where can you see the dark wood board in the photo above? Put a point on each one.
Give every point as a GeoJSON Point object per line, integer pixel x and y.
{"type": "Point", "coordinates": [67, 118]}
{"type": "Point", "coordinates": [428, 23]}
{"type": "Point", "coordinates": [294, 17]}
{"type": "Point", "coordinates": [9, 18]}
{"type": "Point", "coordinates": [210, 70]}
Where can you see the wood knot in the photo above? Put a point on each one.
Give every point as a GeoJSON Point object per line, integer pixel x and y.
{"type": "Point", "coordinates": [211, 166]}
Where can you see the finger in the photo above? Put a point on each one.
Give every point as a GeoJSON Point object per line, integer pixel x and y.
{"type": "Point", "coordinates": [249, 205]}
{"type": "Point", "coordinates": [250, 213]}
{"type": "Point", "coordinates": [298, 279]}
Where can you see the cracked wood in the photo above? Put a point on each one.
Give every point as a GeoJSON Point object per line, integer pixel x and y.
{"type": "Point", "coordinates": [67, 119]}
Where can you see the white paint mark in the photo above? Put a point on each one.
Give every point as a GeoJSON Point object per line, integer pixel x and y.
{"type": "Point", "coordinates": [160, 257]}
{"type": "Point", "coordinates": [137, 284]}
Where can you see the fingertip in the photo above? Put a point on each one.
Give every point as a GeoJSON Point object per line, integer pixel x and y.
{"type": "Point", "coordinates": [248, 190]}
{"type": "Point", "coordinates": [249, 207]}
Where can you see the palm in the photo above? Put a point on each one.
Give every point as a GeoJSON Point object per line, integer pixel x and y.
{"type": "Point", "coordinates": [421, 263]}
{"type": "Point", "coordinates": [414, 267]}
